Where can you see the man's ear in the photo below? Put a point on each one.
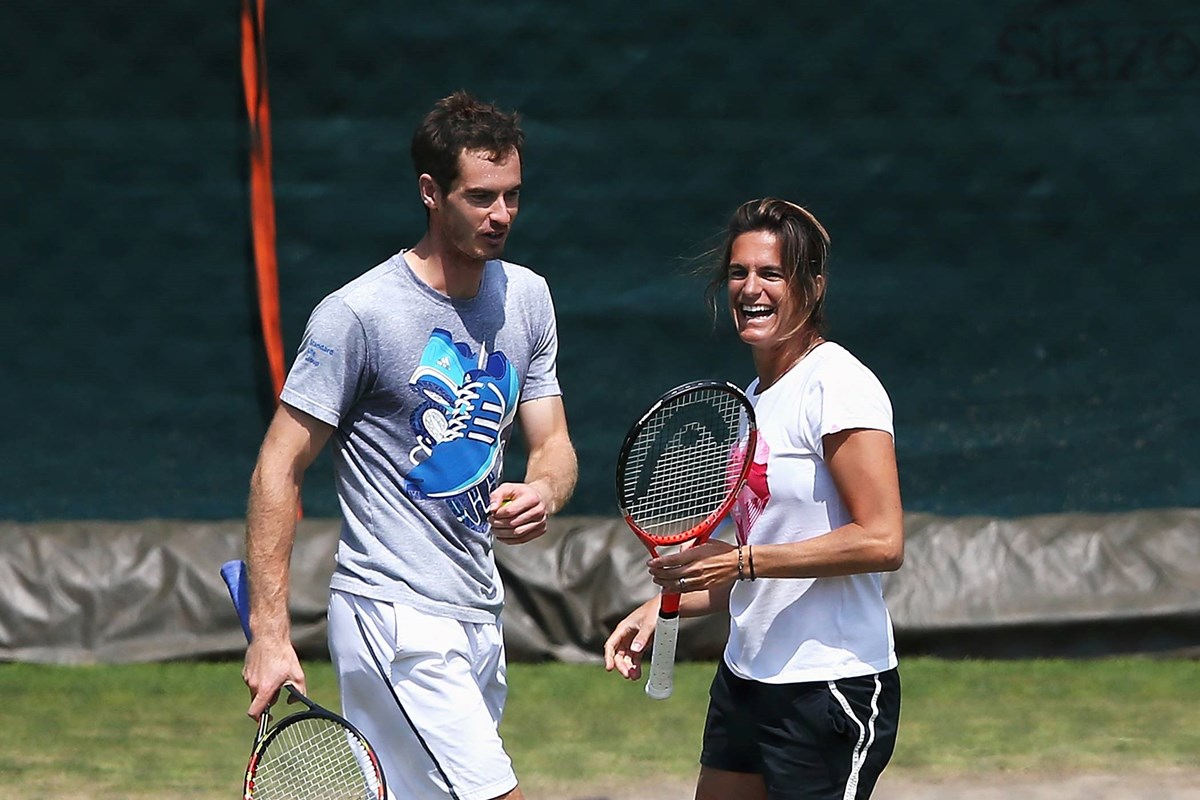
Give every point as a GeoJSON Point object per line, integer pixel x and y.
{"type": "Point", "coordinates": [431, 195]}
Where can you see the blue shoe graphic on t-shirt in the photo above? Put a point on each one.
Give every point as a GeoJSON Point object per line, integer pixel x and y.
{"type": "Point", "coordinates": [470, 446]}
{"type": "Point", "coordinates": [444, 365]}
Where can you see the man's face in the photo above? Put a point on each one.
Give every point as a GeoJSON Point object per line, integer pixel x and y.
{"type": "Point", "coordinates": [476, 214]}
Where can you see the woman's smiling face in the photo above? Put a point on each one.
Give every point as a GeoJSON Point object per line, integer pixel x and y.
{"type": "Point", "coordinates": [760, 297]}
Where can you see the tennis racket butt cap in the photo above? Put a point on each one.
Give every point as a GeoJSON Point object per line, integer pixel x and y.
{"type": "Point", "coordinates": [658, 692]}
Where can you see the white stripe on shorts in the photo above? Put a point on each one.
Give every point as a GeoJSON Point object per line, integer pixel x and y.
{"type": "Point", "coordinates": [866, 734]}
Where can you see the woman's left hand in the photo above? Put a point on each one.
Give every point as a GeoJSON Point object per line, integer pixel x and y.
{"type": "Point", "coordinates": [699, 568]}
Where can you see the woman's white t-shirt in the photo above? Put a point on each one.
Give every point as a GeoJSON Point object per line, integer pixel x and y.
{"type": "Point", "coordinates": [793, 630]}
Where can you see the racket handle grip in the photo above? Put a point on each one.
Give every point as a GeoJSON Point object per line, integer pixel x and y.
{"type": "Point", "coordinates": [661, 682]}
{"type": "Point", "coordinates": [234, 573]}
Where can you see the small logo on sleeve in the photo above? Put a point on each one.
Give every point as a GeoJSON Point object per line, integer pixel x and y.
{"type": "Point", "coordinates": [314, 351]}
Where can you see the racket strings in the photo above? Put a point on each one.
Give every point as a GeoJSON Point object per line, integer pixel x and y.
{"type": "Point", "coordinates": [315, 758]}
{"type": "Point", "coordinates": [683, 462]}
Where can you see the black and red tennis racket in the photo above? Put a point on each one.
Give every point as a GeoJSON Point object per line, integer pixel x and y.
{"type": "Point", "coordinates": [313, 754]}
{"type": "Point", "coordinates": [678, 473]}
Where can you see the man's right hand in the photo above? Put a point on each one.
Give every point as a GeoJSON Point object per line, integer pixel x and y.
{"type": "Point", "coordinates": [269, 665]}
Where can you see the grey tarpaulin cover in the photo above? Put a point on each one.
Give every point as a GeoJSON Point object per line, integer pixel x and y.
{"type": "Point", "coordinates": [1065, 585]}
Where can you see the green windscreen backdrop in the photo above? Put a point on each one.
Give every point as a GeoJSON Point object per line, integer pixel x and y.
{"type": "Point", "coordinates": [1011, 189]}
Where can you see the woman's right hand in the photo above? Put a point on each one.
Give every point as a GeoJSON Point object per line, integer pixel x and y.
{"type": "Point", "coordinates": [624, 649]}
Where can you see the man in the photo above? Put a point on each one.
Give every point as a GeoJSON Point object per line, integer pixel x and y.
{"type": "Point", "coordinates": [417, 370]}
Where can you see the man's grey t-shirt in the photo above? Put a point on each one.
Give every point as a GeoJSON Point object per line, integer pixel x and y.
{"type": "Point", "coordinates": [422, 389]}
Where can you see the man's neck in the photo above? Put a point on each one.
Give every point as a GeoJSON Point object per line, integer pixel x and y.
{"type": "Point", "coordinates": [449, 273]}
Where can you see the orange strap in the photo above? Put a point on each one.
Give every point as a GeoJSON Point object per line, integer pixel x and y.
{"type": "Point", "coordinates": [262, 199]}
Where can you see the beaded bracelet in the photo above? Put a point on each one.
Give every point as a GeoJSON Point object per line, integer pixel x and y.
{"type": "Point", "coordinates": [741, 577]}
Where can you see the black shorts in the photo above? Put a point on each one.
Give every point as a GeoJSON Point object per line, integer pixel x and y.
{"type": "Point", "coordinates": [809, 741]}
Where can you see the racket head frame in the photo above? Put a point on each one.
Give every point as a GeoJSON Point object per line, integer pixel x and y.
{"type": "Point", "coordinates": [705, 527]}
{"type": "Point", "coordinates": [268, 733]}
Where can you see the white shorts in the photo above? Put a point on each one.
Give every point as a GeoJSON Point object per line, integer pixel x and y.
{"type": "Point", "coordinates": [434, 720]}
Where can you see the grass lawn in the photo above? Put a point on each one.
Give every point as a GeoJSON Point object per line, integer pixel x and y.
{"type": "Point", "coordinates": [140, 731]}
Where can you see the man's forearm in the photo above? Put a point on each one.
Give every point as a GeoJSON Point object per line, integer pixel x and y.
{"type": "Point", "coordinates": [270, 534]}
{"type": "Point", "coordinates": [553, 470]}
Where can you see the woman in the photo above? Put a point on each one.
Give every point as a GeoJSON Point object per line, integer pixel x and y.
{"type": "Point", "coordinates": [806, 700]}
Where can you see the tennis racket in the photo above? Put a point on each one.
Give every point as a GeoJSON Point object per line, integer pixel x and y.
{"type": "Point", "coordinates": [313, 754]}
{"type": "Point", "coordinates": [678, 473]}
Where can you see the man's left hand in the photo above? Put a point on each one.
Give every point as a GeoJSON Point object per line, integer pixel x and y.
{"type": "Point", "coordinates": [518, 513]}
